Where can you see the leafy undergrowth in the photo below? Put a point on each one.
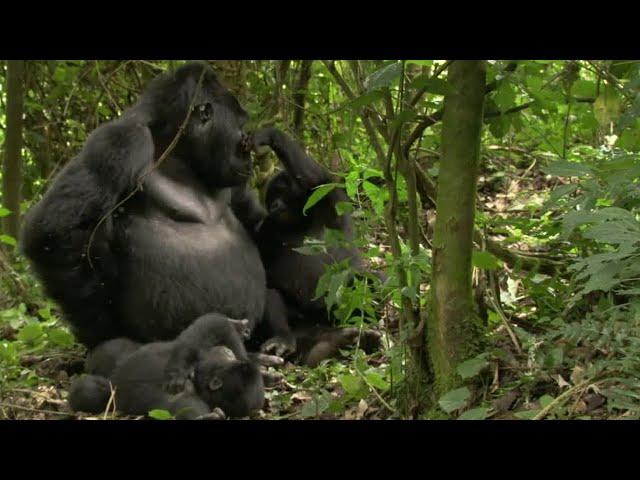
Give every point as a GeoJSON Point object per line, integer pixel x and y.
{"type": "Point", "coordinates": [38, 359]}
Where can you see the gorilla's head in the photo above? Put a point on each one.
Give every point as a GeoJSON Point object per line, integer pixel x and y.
{"type": "Point", "coordinates": [285, 201]}
{"type": "Point", "coordinates": [234, 386]}
{"type": "Point", "coordinates": [213, 142]}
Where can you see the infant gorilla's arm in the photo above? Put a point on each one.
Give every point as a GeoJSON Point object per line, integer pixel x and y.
{"type": "Point", "coordinates": [192, 344]}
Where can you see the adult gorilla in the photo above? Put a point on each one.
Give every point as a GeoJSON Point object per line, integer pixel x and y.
{"type": "Point", "coordinates": [177, 248]}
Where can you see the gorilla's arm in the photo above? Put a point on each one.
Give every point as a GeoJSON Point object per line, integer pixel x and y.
{"type": "Point", "coordinates": [282, 340]}
{"type": "Point", "coordinates": [247, 208]}
{"type": "Point", "coordinates": [300, 166]}
{"type": "Point", "coordinates": [57, 230]}
{"type": "Point", "coordinates": [206, 332]}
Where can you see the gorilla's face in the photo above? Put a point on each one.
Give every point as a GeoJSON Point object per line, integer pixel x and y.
{"type": "Point", "coordinates": [213, 142]}
{"type": "Point", "coordinates": [232, 385]}
{"type": "Point", "coordinates": [284, 201]}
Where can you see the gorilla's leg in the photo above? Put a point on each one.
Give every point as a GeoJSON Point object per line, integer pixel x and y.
{"type": "Point", "coordinates": [104, 359]}
{"type": "Point", "coordinates": [321, 343]}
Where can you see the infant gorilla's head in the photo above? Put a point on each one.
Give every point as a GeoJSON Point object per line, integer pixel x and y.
{"type": "Point", "coordinates": [223, 381]}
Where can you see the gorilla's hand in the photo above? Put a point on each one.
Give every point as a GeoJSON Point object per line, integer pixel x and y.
{"type": "Point", "coordinates": [279, 346]}
{"type": "Point", "coordinates": [262, 138]}
{"type": "Point", "coordinates": [216, 414]}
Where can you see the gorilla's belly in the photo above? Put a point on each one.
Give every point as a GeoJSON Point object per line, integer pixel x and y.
{"type": "Point", "coordinates": [174, 272]}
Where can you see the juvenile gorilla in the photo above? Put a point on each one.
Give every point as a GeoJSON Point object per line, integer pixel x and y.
{"type": "Point", "coordinates": [292, 277]}
{"type": "Point", "coordinates": [205, 368]}
{"type": "Point", "coordinates": [176, 249]}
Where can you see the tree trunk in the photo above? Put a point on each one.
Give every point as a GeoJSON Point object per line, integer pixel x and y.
{"type": "Point", "coordinates": [12, 168]}
{"type": "Point", "coordinates": [299, 97]}
{"type": "Point", "coordinates": [454, 330]}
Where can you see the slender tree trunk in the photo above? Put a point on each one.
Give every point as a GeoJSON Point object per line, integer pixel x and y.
{"type": "Point", "coordinates": [454, 330]}
{"type": "Point", "coordinates": [12, 167]}
{"type": "Point", "coordinates": [299, 97]}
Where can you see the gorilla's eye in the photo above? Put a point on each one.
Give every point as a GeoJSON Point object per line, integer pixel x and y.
{"type": "Point", "coordinates": [205, 111]}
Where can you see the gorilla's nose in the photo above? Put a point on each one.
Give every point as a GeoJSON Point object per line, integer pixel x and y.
{"type": "Point", "coordinates": [245, 142]}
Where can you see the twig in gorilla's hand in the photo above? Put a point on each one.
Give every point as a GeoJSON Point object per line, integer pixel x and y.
{"type": "Point", "coordinates": [152, 167]}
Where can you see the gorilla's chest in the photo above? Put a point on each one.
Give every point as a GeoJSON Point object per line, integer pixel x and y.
{"type": "Point", "coordinates": [173, 272]}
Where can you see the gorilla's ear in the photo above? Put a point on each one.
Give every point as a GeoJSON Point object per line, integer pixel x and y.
{"type": "Point", "coordinates": [215, 384]}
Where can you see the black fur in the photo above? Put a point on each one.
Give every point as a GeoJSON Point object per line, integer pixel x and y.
{"type": "Point", "coordinates": [206, 367]}
{"type": "Point", "coordinates": [175, 250]}
{"type": "Point", "coordinates": [293, 314]}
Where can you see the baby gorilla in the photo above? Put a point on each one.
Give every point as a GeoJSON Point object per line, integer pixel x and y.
{"type": "Point", "coordinates": [204, 369]}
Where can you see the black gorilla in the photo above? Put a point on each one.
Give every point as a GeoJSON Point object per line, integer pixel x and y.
{"type": "Point", "coordinates": [292, 277]}
{"type": "Point", "coordinates": [204, 368]}
{"type": "Point", "coordinates": [178, 248]}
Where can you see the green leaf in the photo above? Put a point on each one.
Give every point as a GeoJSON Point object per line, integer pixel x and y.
{"type": "Point", "coordinates": [545, 400]}
{"type": "Point", "coordinates": [584, 89]}
{"type": "Point", "coordinates": [485, 260]}
{"type": "Point", "coordinates": [479, 413]}
{"type": "Point", "coordinates": [527, 414]}
{"type": "Point", "coordinates": [316, 406]}
{"type": "Point", "coordinates": [455, 399]}
{"type": "Point", "coordinates": [160, 414]}
{"type": "Point", "coordinates": [61, 337]}
{"type": "Point", "coordinates": [9, 240]}
{"type": "Point", "coordinates": [376, 380]}
{"type": "Point", "coordinates": [405, 116]}
{"type": "Point", "coordinates": [554, 359]}
{"type": "Point", "coordinates": [4, 212]}
{"type": "Point", "coordinates": [318, 194]}
{"type": "Point", "coordinates": [472, 367]}
{"type": "Point", "coordinates": [343, 208]}
{"type": "Point", "coordinates": [384, 77]}
{"type": "Point", "coordinates": [437, 86]}
{"type": "Point", "coordinates": [563, 168]}
{"type": "Point", "coordinates": [30, 333]}
{"type": "Point", "coordinates": [351, 384]}
{"type": "Point", "coordinates": [505, 96]}
{"type": "Point", "coordinates": [364, 100]}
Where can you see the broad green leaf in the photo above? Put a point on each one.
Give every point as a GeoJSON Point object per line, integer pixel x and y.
{"type": "Point", "coordinates": [343, 208]}
{"type": "Point", "coordinates": [316, 406]}
{"type": "Point", "coordinates": [527, 414]}
{"type": "Point", "coordinates": [318, 194]}
{"type": "Point", "coordinates": [554, 358]}
{"type": "Point", "coordinates": [351, 384]}
{"type": "Point", "coordinates": [455, 399]}
{"type": "Point", "coordinates": [4, 212]}
{"type": "Point", "coordinates": [499, 126]}
{"type": "Point", "coordinates": [30, 332]}
{"type": "Point", "coordinates": [545, 400]}
{"type": "Point", "coordinates": [160, 414]}
{"type": "Point", "coordinates": [364, 100]}
{"type": "Point", "coordinates": [384, 77]}
{"type": "Point", "coordinates": [479, 413]}
{"type": "Point", "coordinates": [505, 96]}
{"type": "Point", "coordinates": [485, 260]}
{"type": "Point", "coordinates": [584, 89]}
{"type": "Point", "coordinates": [9, 240]}
{"type": "Point", "coordinates": [376, 380]}
{"type": "Point", "coordinates": [472, 367]}
{"type": "Point", "coordinates": [405, 116]}
{"type": "Point", "coordinates": [437, 86]}
{"type": "Point", "coordinates": [563, 168]}
{"type": "Point", "coordinates": [60, 337]}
